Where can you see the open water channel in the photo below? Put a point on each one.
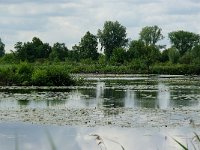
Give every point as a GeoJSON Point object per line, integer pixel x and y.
{"type": "Point", "coordinates": [160, 94]}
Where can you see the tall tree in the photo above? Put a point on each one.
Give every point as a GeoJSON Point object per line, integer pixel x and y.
{"type": "Point", "coordinates": [195, 54]}
{"type": "Point", "coordinates": [2, 48]}
{"type": "Point", "coordinates": [173, 55]}
{"type": "Point", "coordinates": [164, 55]}
{"type": "Point", "coordinates": [111, 37]}
{"type": "Point", "coordinates": [31, 51]}
{"type": "Point", "coordinates": [59, 52]}
{"type": "Point", "coordinates": [88, 46]}
{"type": "Point", "coordinates": [136, 49]}
{"type": "Point", "coordinates": [118, 56]}
{"type": "Point", "coordinates": [184, 41]}
{"type": "Point", "coordinates": [150, 35]}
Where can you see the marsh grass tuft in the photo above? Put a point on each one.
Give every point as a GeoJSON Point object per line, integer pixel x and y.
{"type": "Point", "coordinates": [194, 143]}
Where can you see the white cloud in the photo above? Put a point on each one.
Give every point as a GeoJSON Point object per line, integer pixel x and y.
{"type": "Point", "coordinates": [68, 20]}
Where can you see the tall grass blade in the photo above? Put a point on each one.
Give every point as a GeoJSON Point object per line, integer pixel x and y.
{"type": "Point", "coordinates": [198, 138]}
{"type": "Point", "coordinates": [53, 146]}
{"type": "Point", "coordinates": [185, 148]}
{"type": "Point", "coordinates": [16, 142]}
{"type": "Point", "coordinates": [99, 141]}
{"type": "Point", "coordinates": [193, 146]}
{"type": "Point", "coordinates": [116, 143]}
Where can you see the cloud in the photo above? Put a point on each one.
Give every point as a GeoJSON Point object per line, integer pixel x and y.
{"type": "Point", "coordinates": [68, 20]}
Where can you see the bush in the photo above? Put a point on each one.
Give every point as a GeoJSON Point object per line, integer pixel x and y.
{"type": "Point", "coordinates": [39, 77]}
{"type": "Point", "coordinates": [24, 73]}
{"type": "Point", "coordinates": [52, 76]}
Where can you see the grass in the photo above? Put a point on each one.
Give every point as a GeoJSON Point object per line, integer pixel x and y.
{"type": "Point", "coordinates": [101, 144]}
{"type": "Point", "coordinates": [195, 145]}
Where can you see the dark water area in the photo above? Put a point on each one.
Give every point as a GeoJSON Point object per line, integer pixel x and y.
{"type": "Point", "coordinates": [129, 91]}
{"type": "Point", "coordinates": [31, 137]}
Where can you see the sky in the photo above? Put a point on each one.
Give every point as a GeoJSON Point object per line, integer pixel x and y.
{"type": "Point", "coordinates": [66, 21]}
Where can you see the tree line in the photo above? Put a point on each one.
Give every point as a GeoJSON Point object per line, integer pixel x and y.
{"type": "Point", "coordinates": [116, 48]}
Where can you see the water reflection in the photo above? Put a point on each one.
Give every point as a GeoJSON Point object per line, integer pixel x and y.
{"type": "Point", "coordinates": [135, 93]}
{"type": "Point", "coordinates": [130, 98]}
{"type": "Point", "coordinates": [163, 98]}
{"type": "Point", "coordinates": [34, 137]}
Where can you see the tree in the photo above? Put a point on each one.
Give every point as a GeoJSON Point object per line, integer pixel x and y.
{"type": "Point", "coordinates": [195, 54]}
{"type": "Point", "coordinates": [41, 50]}
{"type": "Point", "coordinates": [150, 35]}
{"type": "Point", "coordinates": [59, 52]}
{"type": "Point", "coordinates": [153, 55]}
{"type": "Point", "coordinates": [136, 49]}
{"type": "Point", "coordinates": [184, 41]}
{"type": "Point", "coordinates": [111, 37]}
{"type": "Point", "coordinates": [173, 55]}
{"type": "Point", "coordinates": [31, 51]}
{"type": "Point", "coordinates": [119, 56]}
{"type": "Point", "coordinates": [73, 54]}
{"type": "Point", "coordinates": [2, 48]}
{"type": "Point", "coordinates": [165, 55]}
{"type": "Point", "coordinates": [20, 51]}
{"type": "Point", "coordinates": [88, 46]}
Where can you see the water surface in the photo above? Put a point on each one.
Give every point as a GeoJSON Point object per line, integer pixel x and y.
{"type": "Point", "coordinates": [131, 91]}
{"type": "Point", "coordinates": [32, 137]}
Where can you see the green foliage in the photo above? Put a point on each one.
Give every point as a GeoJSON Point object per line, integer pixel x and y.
{"type": "Point", "coordinates": [73, 55]}
{"type": "Point", "coordinates": [186, 58]}
{"type": "Point", "coordinates": [2, 48]}
{"type": "Point", "coordinates": [164, 55]}
{"type": "Point", "coordinates": [52, 65]}
{"type": "Point", "coordinates": [31, 51]}
{"type": "Point", "coordinates": [173, 55]}
{"type": "Point", "coordinates": [9, 58]}
{"type": "Point", "coordinates": [23, 73]}
{"type": "Point", "coordinates": [136, 50]}
{"type": "Point", "coordinates": [184, 41]}
{"type": "Point", "coordinates": [174, 69]}
{"type": "Point", "coordinates": [195, 54]}
{"type": "Point", "coordinates": [39, 77]}
{"type": "Point", "coordinates": [88, 47]}
{"type": "Point", "coordinates": [102, 59]}
{"type": "Point", "coordinates": [52, 76]}
{"type": "Point", "coordinates": [111, 37]}
{"type": "Point", "coordinates": [152, 55]}
{"type": "Point", "coordinates": [118, 56]}
{"type": "Point", "coordinates": [138, 66]}
{"type": "Point", "coordinates": [27, 74]}
{"type": "Point", "coordinates": [150, 35]}
{"type": "Point", "coordinates": [59, 52]}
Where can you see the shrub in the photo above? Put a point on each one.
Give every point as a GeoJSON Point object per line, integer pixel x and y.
{"type": "Point", "coordinates": [24, 73]}
{"type": "Point", "coordinates": [51, 76]}
{"type": "Point", "coordinates": [39, 77]}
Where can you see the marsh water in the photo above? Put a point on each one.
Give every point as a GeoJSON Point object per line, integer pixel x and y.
{"type": "Point", "coordinates": [131, 91]}
{"type": "Point", "coordinates": [101, 91]}
{"type": "Point", "coordinates": [31, 137]}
